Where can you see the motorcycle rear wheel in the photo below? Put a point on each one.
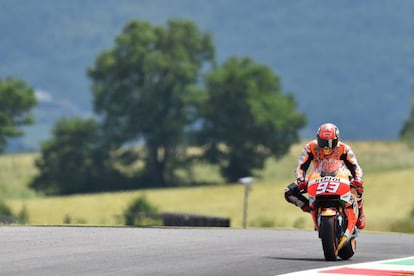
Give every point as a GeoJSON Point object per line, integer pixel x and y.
{"type": "Point", "coordinates": [327, 234]}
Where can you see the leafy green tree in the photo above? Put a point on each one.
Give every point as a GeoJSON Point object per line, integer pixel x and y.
{"type": "Point", "coordinates": [76, 161]}
{"type": "Point", "coordinates": [246, 118]}
{"type": "Point", "coordinates": [407, 131]}
{"type": "Point", "coordinates": [144, 90]}
{"type": "Point", "coordinates": [17, 99]}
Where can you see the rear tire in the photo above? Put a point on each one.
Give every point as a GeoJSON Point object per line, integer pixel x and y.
{"type": "Point", "coordinates": [327, 233]}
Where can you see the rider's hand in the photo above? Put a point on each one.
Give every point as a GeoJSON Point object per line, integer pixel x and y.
{"type": "Point", "coordinates": [358, 184]}
{"type": "Point", "coordinates": [302, 185]}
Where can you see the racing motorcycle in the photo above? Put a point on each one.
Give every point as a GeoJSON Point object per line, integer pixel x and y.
{"type": "Point", "coordinates": [334, 209]}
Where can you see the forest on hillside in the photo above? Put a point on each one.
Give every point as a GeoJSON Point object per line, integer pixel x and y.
{"type": "Point", "coordinates": [349, 62]}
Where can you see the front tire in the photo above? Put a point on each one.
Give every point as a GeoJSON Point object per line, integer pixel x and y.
{"type": "Point", "coordinates": [348, 250]}
{"type": "Point", "coordinates": [327, 233]}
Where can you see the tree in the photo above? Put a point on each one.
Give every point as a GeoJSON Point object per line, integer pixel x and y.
{"type": "Point", "coordinates": [246, 118]}
{"type": "Point", "coordinates": [144, 90]}
{"type": "Point", "coordinates": [407, 131]}
{"type": "Point", "coordinates": [17, 99]}
{"type": "Point", "coordinates": [75, 160]}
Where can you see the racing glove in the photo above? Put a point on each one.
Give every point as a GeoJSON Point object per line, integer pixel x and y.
{"type": "Point", "coordinates": [302, 184]}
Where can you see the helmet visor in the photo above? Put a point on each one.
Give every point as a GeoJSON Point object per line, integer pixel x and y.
{"type": "Point", "coordinates": [327, 143]}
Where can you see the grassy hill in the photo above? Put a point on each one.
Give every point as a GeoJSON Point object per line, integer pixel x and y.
{"type": "Point", "coordinates": [389, 197]}
{"type": "Point", "coordinates": [345, 61]}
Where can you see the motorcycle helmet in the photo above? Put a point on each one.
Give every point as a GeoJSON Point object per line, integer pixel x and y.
{"type": "Point", "coordinates": [327, 136]}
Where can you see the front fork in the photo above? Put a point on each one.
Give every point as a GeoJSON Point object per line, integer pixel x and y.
{"type": "Point", "coordinates": [322, 212]}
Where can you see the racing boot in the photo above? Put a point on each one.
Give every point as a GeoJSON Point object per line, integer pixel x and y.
{"type": "Point", "coordinates": [293, 195]}
{"type": "Point", "coordinates": [361, 217]}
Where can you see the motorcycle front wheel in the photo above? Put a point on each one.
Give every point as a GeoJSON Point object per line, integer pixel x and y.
{"type": "Point", "coordinates": [327, 233]}
{"type": "Point", "coordinates": [348, 250]}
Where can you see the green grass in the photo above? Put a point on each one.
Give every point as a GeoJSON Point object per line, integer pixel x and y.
{"type": "Point", "coordinates": [389, 195]}
{"type": "Point", "coordinates": [16, 170]}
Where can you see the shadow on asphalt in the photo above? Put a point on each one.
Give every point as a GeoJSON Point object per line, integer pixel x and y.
{"type": "Point", "coordinates": [300, 259]}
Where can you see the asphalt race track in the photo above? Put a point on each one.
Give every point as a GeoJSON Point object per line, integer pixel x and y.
{"type": "Point", "coordinates": [173, 251]}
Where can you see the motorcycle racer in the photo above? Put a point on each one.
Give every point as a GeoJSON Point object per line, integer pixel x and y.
{"type": "Point", "coordinates": [325, 147]}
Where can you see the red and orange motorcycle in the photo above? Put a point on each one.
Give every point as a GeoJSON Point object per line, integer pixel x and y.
{"type": "Point", "coordinates": [334, 209]}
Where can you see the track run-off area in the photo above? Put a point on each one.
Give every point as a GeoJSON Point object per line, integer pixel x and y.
{"type": "Point", "coordinates": [397, 267]}
{"type": "Point", "coordinates": [61, 250]}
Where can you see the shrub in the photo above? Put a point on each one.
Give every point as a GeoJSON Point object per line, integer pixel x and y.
{"type": "Point", "coordinates": [142, 213]}
{"type": "Point", "coordinates": [6, 215]}
{"type": "Point", "coordinates": [23, 215]}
